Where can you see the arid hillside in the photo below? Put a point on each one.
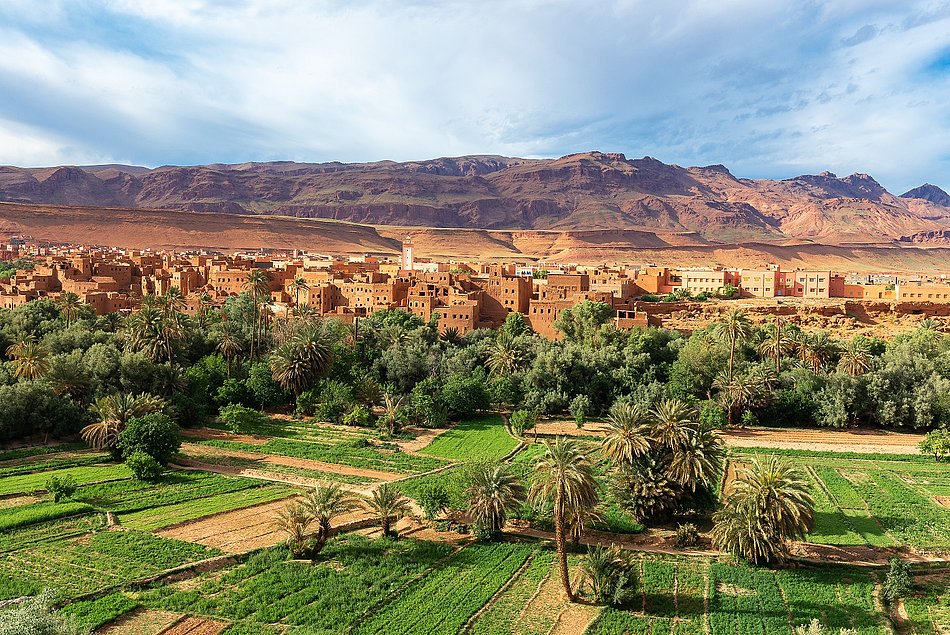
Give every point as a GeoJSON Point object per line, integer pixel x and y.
{"type": "Point", "coordinates": [164, 229]}
{"type": "Point", "coordinates": [581, 192]}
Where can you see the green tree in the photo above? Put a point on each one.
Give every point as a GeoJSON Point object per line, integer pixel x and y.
{"type": "Point", "coordinates": [936, 442]}
{"type": "Point", "coordinates": [493, 492]}
{"type": "Point", "coordinates": [154, 434]}
{"type": "Point", "coordinates": [325, 504]}
{"type": "Point", "coordinates": [38, 616]}
{"type": "Point", "coordinates": [30, 358]}
{"type": "Point", "coordinates": [564, 479]}
{"type": "Point", "coordinates": [389, 505]}
{"type": "Point", "coordinates": [628, 432]}
{"type": "Point", "coordinates": [113, 412]}
{"type": "Point", "coordinates": [733, 329]}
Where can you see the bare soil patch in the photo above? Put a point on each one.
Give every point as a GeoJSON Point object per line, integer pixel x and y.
{"type": "Point", "coordinates": [198, 451]}
{"type": "Point", "coordinates": [424, 436]}
{"type": "Point", "coordinates": [16, 501]}
{"type": "Point", "coordinates": [242, 529]}
{"type": "Point", "coordinates": [196, 626]}
{"type": "Point", "coordinates": [943, 500]}
{"type": "Point", "coordinates": [211, 434]}
{"type": "Point", "coordinates": [141, 622]}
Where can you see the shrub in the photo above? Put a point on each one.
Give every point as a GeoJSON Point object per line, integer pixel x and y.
{"type": "Point", "coordinates": [61, 487]}
{"type": "Point", "coordinates": [307, 402]}
{"type": "Point", "coordinates": [464, 395]}
{"type": "Point", "coordinates": [143, 466]}
{"type": "Point", "coordinates": [425, 406]}
{"type": "Point", "coordinates": [713, 416]}
{"type": "Point", "coordinates": [579, 408]}
{"type": "Point", "coordinates": [749, 419]}
{"type": "Point", "coordinates": [521, 420]}
{"type": "Point", "coordinates": [359, 415]}
{"type": "Point", "coordinates": [607, 574]}
{"type": "Point", "coordinates": [433, 499]}
{"type": "Point", "coordinates": [241, 419]}
{"type": "Point", "coordinates": [336, 399]}
{"type": "Point", "coordinates": [233, 391]}
{"type": "Point", "coordinates": [937, 443]}
{"type": "Point", "coordinates": [898, 581]}
{"type": "Point", "coordinates": [687, 535]}
{"type": "Point", "coordinates": [38, 615]}
{"type": "Point", "coordinates": [154, 434]}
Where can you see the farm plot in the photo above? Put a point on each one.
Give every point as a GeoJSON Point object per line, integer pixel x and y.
{"type": "Point", "coordinates": [90, 563]}
{"type": "Point", "coordinates": [878, 501]}
{"type": "Point", "coordinates": [475, 439]}
{"type": "Point", "coordinates": [353, 575]}
{"type": "Point", "coordinates": [672, 595]}
{"type": "Point", "coordinates": [443, 601]}
{"type": "Point", "coordinates": [32, 482]}
{"type": "Point", "coordinates": [508, 613]}
{"type": "Point", "coordinates": [928, 604]}
{"type": "Point", "coordinates": [158, 517]}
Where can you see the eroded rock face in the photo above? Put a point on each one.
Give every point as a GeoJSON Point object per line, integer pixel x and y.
{"type": "Point", "coordinates": [585, 191]}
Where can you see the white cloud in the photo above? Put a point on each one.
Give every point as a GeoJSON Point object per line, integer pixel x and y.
{"type": "Point", "coordinates": [769, 88]}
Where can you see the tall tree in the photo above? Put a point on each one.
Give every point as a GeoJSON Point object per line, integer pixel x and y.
{"type": "Point", "coordinates": [112, 413]}
{"type": "Point", "coordinates": [733, 329]}
{"type": "Point", "coordinates": [673, 421]}
{"type": "Point", "coordinates": [389, 505]}
{"type": "Point", "coordinates": [816, 349]}
{"type": "Point", "coordinates": [297, 285]}
{"type": "Point", "coordinates": [627, 433]}
{"type": "Point", "coordinates": [855, 357]}
{"type": "Point", "coordinates": [257, 287]}
{"type": "Point", "coordinates": [777, 343]}
{"type": "Point", "coordinates": [325, 503]}
{"type": "Point", "coordinates": [563, 478]}
{"type": "Point", "coordinates": [305, 356]}
{"type": "Point", "coordinates": [30, 358]}
{"type": "Point", "coordinates": [69, 305]}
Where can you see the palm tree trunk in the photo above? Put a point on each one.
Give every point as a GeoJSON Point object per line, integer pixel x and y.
{"type": "Point", "coordinates": [559, 542]}
{"type": "Point", "coordinates": [778, 345]}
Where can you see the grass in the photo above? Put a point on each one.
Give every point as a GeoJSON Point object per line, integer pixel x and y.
{"type": "Point", "coordinates": [499, 618]}
{"type": "Point", "coordinates": [13, 517]}
{"type": "Point", "coordinates": [253, 464]}
{"type": "Point", "coordinates": [155, 518]}
{"type": "Point", "coordinates": [28, 483]}
{"type": "Point", "coordinates": [91, 563]}
{"type": "Point", "coordinates": [21, 453]}
{"type": "Point", "coordinates": [483, 438]}
{"type": "Point", "coordinates": [94, 613]}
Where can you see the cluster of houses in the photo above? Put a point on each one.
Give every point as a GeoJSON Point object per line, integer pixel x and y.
{"type": "Point", "coordinates": [463, 295]}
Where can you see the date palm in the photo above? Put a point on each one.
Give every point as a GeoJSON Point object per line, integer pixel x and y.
{"type": "Point", "coordinates": [155, 332]}
{"type": "Point", "coordinates": [389, 505]}
{"type": "Point", "coordinates": [304, 356]}
{"type": "Point", "coordinates": [507, 356]}
{"type": "Point", "coordinates": [173, 301]}
{"type": "Point", "coordinates": [257, 286]}
{"type": "Point", "coordinates": [230, 343]}
{"type": "Point", "coordinates": [30, 358]}
{"type": "Point", "coordinates": [698, 460]}
{"type": "Point", "coordinates": [816, 349]}
{"type": "Point", "coordinates": [297, 285]}
{"type": "Point", "coordinates": [69, 305]}
{"type": "Point", "coordinates": [627, 433]}
{"type": "Point", "coordinates": [113, 412]}
{"type": "Point", "coordinates": [563, 478]}
{"type": "Point", "coordinates": [734, 393]}
{"type": "Point", "coordinates": [855, 357]}
{"type": "Point", "coordinates": [672, 422]}
{"type": "Point", "coordinates": [777, 343]}
{"type": "Point", "coordinates": [768, 505]}
{"type": "Point", "coordinates": [325, 503]}
{"type": "Point", "coordinates": [733, 329]}
{"type": "Point", "coordinates": [494, 490]}
{"type": "Point", "coordinates": [294, 520]}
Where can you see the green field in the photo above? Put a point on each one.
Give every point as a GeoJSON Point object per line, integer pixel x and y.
{"type": "Point", "coordinates": [472, 440]}
{"type": "Point", "coordinates": [882, 501]}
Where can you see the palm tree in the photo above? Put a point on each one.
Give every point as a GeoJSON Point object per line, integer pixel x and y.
{"type": "Point", "coordinates": [816, 349]}
{"type": "Point", "coordinates": [777, 344]}
{"type": "Point", "coordinates": [699, 459]}
{"type": "Point", "coordinates": [855, 357]}
{"type": "Point", "coordinates": [294, 520]}
{"type": "Point", "coordinates": [930, 324]}
{"type": "Point", "coordinates": [605, 573]}
{"type": "Point", "coordinates": [67, 377]}
{"type": "Point", "coordinates": [69, 306]}
{"type": "Point", "coordinates": [230, 344]}
{"type": "Point", "coordinates": [734, 394]}
{"type": "Point", "coordinates": [563, 477]}
{"type": "Point", "coordinates": [304, 357]}
{"type": "Point", "coordinates": [507, 355]}
{"type": "Point", "coordinates": [392, 416]}
{"type": "Point", "coordinates": [113, 412]}
{"type": "Point", "coordinates": [326, 503]}
{"type": "Point", "coordinates": [205, 304]}
{"type": "Point", "coordinates": [110, 322]}
{"type": "Point", "coordinates": [494, 490]}
{"type": "Point", "coordinates": [451, 336]}
{"type": "Point", "coordinates": [173, 301]}
{"type": "Point", "coordinates": [389, 505]}
{"type": "Point", "coordinates": [769, 504]}
{"type": "Point", "coordinates": [297, 285]}
{"type": "Point", "coordinates": [257, 286]}
{"type": "Point", "coordinates": [673, 422]}
{"type": "Point", "coordinates": [30, 358]}
{"type": "Point", "coordinates": [627, 433]}
{"type": "Point", "coordinates": [733, 329]}
{"type": "Point", "coordinates": [155, 332]}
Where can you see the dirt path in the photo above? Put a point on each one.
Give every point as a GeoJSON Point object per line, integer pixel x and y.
{"type": "Point", "coordinates": [210, 434]}
{"type": "Point", "coordinates": [242, 529]}
{"type": "Point", "coordinates": [195, 626]}
{"type": "Point", "coordinates": [197, 451]}
{"type": "Point", "coordinates": [865, 441]}
{"type": "Point", "coordinates": [141, 622]}
{"type": "Point", "coordinates": [424, 436]}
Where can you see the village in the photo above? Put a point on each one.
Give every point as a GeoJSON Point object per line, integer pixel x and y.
{"type": "Point", "coordinates": [463, 296]}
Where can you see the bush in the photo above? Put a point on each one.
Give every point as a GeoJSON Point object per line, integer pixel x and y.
{"type": "Point", "coordinates": [425, 406]}
{"type": "Point", "coordinates": [521, 420]}
{"type": "Point", "coordinates": [336, 399]}
{"type": "Point", "coordinates": [359, 415]}
{"type": "Point", "coordinates": [143, 466]}
{"type": "Point", "coordinates": [61, 488]}
{"type": "Point", "coordinates": [749, 419]}
{"type": "Point", "coordinates": [307, 402]}
{"type": "Point", "coordinates": [38, 616]}
{"type": "Point", "coordinates": [687, 535]}
{"type": "Point", "coordinates": [579, 408]}
{"type": "Point", "coordinates": [241, 419]}
{"type": "Point", "coordinates": [937, 443]}
{"type": "Point", "coordinates": [713, 416]}
{"type": "Point", "coordinates": [898, 581]}
{"type": "Point", "coordinates": [433, 499]}
{"type": "Point", "coordinates": [464, 395]}
{"type": "Point", "coordinates": [155, 434]}
{"type": "Point", "coordinates": [233, 391]}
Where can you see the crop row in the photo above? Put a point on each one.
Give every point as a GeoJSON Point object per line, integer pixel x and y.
{"type": "Point", "coordinates": [75, 567]}
{"type": "Point", "coordinates": [22, 453]}
{"type": "Point", "coordinates": [364, 457]}
{"type": "Point", "coordinates": [52, 463]}
{"type": "Point", "coordinates": [13, 517]}
{"type": "Point", "coordinates": [353, 574]}
{"type": "Point", "coordinates": [253, 464]}
{"type": "Point", "coordinates": [481, 438]}
{"type": "Point", "coordinates": [509, 610]}
{"type": "Point", "coordinates": [158, 517]}
{"type": "Point", "coordinates": [49, 531]}
{"type": "Point", "coordinates": [910, 517]}
{"type": "Point", "coordinates": [94, 613]}
{"type": "Point", "coordinates": [27, 483]}
{"type": "Point", "coordinates": [443, 601]}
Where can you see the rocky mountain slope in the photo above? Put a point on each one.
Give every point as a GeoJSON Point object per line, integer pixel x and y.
{"type": "Point", "coordinates": [589, 191]}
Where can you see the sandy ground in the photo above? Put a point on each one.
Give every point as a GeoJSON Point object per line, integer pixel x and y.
{"type": "Point", "coordinates": [243, 529]}
{"type": "Point", "coordinates": [196, 626]}
{"type": "Point", "coordinates": [141, 622]}
{"type": "Point", "coordinates": [861, 440]}
{"type": "Point", "coordinates": [197, 451]}
{"type": "Point", "coordinates": [221, 435]}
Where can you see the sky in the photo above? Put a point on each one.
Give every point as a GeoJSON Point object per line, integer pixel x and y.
{"type": "Point", "coordinates": [769, 88]}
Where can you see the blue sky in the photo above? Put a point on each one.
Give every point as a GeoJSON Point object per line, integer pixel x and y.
{"type": "Point", "coordinates": [768, 88]}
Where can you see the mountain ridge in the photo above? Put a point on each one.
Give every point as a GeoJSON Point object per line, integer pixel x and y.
{"type": "Point", "coordinates": [582, 191]}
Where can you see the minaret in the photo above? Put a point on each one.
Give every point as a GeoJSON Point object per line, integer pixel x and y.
{"type": "Point", "coordinates": [407, 253]}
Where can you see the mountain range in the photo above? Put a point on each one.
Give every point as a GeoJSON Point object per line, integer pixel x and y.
{"type": "Point", "coordinates": [591, 191]}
